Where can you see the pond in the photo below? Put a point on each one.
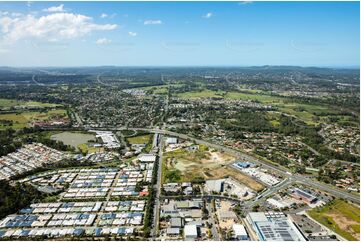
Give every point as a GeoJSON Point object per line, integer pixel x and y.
{"type": "Point", "coordinates": [73, 138]}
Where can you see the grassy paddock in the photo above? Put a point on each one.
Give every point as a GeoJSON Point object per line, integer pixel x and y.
{"type": "Point", "coordinates": [305, 112]}
{"type": "Point", "coordinates": [22, 119]}
{"type": "Point", "coordinates": [141, 139]}
{"type": "Point", "coordinates": [9, 103]}
{"type": "Point", "coordinates": [341, 217]}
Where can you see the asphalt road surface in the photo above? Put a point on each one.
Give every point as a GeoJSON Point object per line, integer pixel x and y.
{"type": "Point", "coordinates": [278, 169]}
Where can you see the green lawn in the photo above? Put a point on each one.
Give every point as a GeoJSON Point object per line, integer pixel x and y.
{"type": "Point", "coordinates": [341, 217]}
{"type": "Point", "coordinates": [141, 139]}
{"type": "Point", "coordinates": [201, 94]}
{"type": "Point", "coordinates": [88, 149]}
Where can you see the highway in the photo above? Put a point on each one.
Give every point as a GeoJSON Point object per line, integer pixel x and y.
{"type": "Point", "coordinates": [246, 157]}
{"type": "Point", "coordinates": [157, 142]}
{"type": "Point", "coordinates": [264, 195]}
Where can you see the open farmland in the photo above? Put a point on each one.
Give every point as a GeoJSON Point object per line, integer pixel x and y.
{"type": "Point", "coordinates": [341, 217]}
{"type": "Point", "coordinates": [10, 103]}
{"type": "Point", "coordinates": [23, 119]}
{"type": "Point", "coordinates": [305, 112]}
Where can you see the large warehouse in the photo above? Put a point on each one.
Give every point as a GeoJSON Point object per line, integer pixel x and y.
{"type": "Point", "coordinates": [274, 226]}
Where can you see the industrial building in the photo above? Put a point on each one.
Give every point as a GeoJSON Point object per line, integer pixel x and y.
{"type": "Point", "coordinates": [190, 232]}
{"type": "Point", "coordinates": [239, 232]}
{"type": "Point", "coordinates": [304, 196]}
{"type": "Point", "coordinates": [214, 185]}
{"type": "Point", "coordinates": [171, 141]}
{"type": "Point", "coordinates": [274, 226]}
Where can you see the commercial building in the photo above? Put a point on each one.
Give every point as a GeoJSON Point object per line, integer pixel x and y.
{"type": "Point", "coordinates": [214, 185]}
{"type": "Point", "coordinates": [274, 226]}
{"type": "Point", "coordinates": [171, 141]}
{"type": "Point", "coordinates": [109, 139]}
{"type": "Point", "coordinates": [304, 196]}
{"type": "Point", "coordinates": [239, 232]}
{"type": "Point", "coordinates": [190, 232]}
{"type": "Point", "coordinates": [147, 158]}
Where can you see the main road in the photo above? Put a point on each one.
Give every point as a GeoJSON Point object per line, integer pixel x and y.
{"type": "Point", "coordinates": [157, 142]}
{"type": "Point", "coordinates": [246, 157]}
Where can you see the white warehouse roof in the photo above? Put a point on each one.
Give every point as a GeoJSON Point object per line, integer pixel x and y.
{"type": "Point", "coordinates": [239, 230]}
{"type": "Point", "coordinates": [147, 158]}
{"type": "Point", "coordinates": [190, 231]}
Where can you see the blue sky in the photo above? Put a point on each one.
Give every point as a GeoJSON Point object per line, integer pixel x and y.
{"type": "Point", "coordinates": [179, 33]}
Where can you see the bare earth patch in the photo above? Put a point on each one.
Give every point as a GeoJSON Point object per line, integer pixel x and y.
{"type": "Point", "coordinates": [345, 224]}
{"type": "Point", "coordinates": [223, 172]}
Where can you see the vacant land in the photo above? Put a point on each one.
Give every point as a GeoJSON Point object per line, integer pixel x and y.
{"type": "Point", "coordinates": [74, 139]}
{"type": "Point", "coordinates": [141, 139]}
{"type": "Point", "coordinates": [201, 94]}
{"type": "Point", "coordinates": [230, 172]}
{"type": "Point", "coordinates": [309, 113]}
{"type": "Point", "coordinates": [23, 119]}
{"type": "Point", "coordinates": [89, 148]}
{"type": "Point", "coordinates": [10, 103]}
{"type": "Point", "coordinates": [183, 165]}
{"type": "Point", "coordinates": [341, 217]}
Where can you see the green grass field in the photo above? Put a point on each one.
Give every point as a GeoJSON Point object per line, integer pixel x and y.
{"type": "Point", "coordinates": [22, 119]}
{"type": "Point", "coordinates": [305, 112]}
{"type": "Point", "coordinates": [8, 103]}
{"type": "Point", "coordinates": [341, 217]}
{"type": "Point", "coordinates": [141, 139]}
{"type": "Point", "coordinates": [87, 149]}
{"type": "Point", "coordinates": [202, 94]}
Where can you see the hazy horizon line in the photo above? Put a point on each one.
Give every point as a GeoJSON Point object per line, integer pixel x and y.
{"type": "Point", "coordinates": [192, 66]}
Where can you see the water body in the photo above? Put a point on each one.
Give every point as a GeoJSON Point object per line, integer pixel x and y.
{"type": "Point", "coordinates": [72, 138]}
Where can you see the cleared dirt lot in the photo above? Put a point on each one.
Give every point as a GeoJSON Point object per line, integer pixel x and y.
{"type": "Point", "coordinates": [184, 166]}
{"type": "Point", "coordinates": [227, 171]}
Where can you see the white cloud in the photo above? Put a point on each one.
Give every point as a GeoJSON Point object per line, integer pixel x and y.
{"type": "Point", "coordinates": [16, 14]}
{"type": "Point", "coordinates": [3, 50]}
{"type": "Point", "coordinates": [104, 15]}
{"type": "Point", "coordinates": [245, 2]}
{"type": "Point", "coordinates": [152, 22]}
{"type": "Point", "coordinates": [59, 8]}
{"type": "Point", "coordinates": [208, 15]}
{"type": "Point", "coordinates": [103, 41]}
{"type": "Point", "coordinates": [4, 13]}
{"type": "Point", "coordinates": [133, 34]}
{"type": "Point", "coordinates": [52, 27]}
